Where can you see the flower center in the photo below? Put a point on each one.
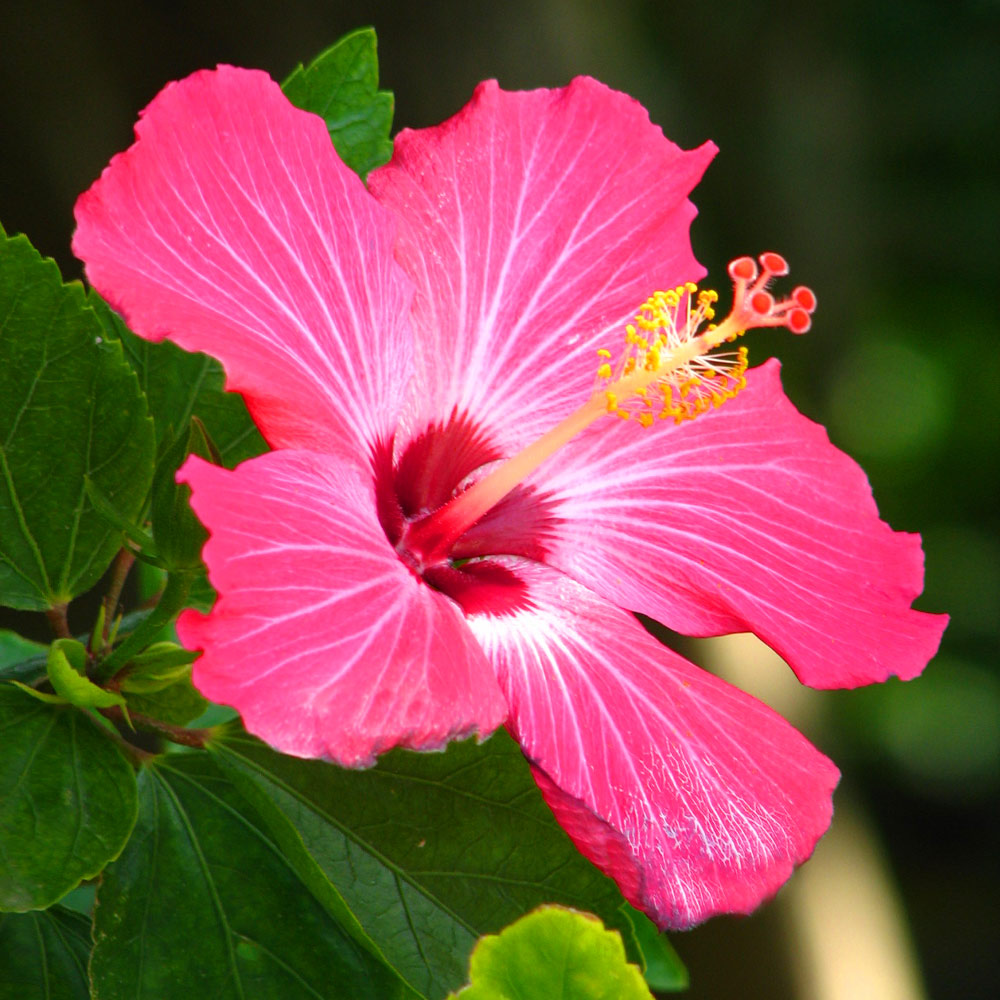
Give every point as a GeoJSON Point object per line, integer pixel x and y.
{"type": "Point", "coordinates": [666, 370]}
{"type": "Point", "coordinates": [669, 368]}
{"type": "Point", "coordinates": [418, 481]}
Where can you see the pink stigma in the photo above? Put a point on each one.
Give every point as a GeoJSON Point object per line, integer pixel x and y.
{"type": "Point", "coordinates": [754, 306]}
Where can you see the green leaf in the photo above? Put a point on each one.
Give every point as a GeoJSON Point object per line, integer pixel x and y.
{"type": "Point", "coordinates": [114, 517]}
{"type": "Point", "coordinates": [42, 696]}
{"type": "Point", "coordinates": [203, 904]}
{"type": "Point", "coordinates": [67, 663]}
{"type": "Point", "coordinates": [179, 385]}
{"type": "Point", "coordinates": [158, 685]}
{"type": "Point", "coordinates": [67, 800]}
{"type": "Point", "coordinates": [556, 954]}
{"type": "Point", "coordinates": [429, 851]}
{"type": "Point", "coordinates": [341, 86]}
{"type": "Point", "coordinates": [160, 666]}
{"type": "Point", "coordinates": [43, 956]}
{"type": "Point", "coordinates": [664, 969]}
{"type": "Point", "coordinates": [178, 704]}
{"type": "Point", "coordinates": [71, 408]}
{"type": "Point", "coordinates": [15, 649]}
{"type": "Point", "coordinates": [177, 533]}
{"type": "Point", "coordinates": [21, 659]}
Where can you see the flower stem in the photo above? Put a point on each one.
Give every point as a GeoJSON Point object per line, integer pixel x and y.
{"type": "Point", "coordinates": [59, 622]}
{"type": "Point", "coordinates": [119, 573]}
{"type": "Point", "coordinates": [172, 600]}
{"type": "Point", "coordinates": [176, 734]}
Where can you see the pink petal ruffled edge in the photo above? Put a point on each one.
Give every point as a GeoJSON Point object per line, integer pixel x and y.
{"type": "Point", "coordinates": [533, 224]}
{"type": "Point", "coordinates": [232, 227]}
{"type": "Point", "coordinates": [694, 796]}
{"type": "Point", "coordinates": [321, 638]}
{"type": "Point", "coordinates": [745, 519]}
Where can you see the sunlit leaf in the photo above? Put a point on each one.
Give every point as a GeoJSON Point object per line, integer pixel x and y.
{"type": "Point", "coordinates": [341, 86]}
{"type": "Point", "coordinates": [554, 954]}
{"type": "Point", "coordinates": [65, 666]}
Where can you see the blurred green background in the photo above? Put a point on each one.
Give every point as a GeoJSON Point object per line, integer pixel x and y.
{"type": "Point", "coordinates": [859, 139]}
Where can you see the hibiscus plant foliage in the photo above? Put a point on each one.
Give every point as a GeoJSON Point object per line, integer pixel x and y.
{"type": "Point", "coordinates": [333, 437]}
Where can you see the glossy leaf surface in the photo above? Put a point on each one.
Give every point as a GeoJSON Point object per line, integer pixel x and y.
{"type": "Point", "coordinates": [341, 86]}
{"type": "Point", "coordinates": [71, 409]}
{"type": "Point", "coordinates": [67, 800]}
{"type": "Point", "coordinates": [202, 903]}
{"type": "Point", "coordinates": [428, 850]}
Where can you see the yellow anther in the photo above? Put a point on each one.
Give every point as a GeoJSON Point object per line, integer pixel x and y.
{"type": "Point", "coordinates": [603, 352]}
{"type": "Point", "coordinates": [667, 357]}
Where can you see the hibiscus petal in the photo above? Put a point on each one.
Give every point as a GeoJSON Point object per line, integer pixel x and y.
{"type": "Point", "coordinates": [746, 519]}
{"type": "Point", "coordinates": [533, 225]}
{"type": "Point", "coordinates": [232, 227]}
{"type": "Point", "coordinates": [322, 639]}
{"type": "Point", "coordinates": [695, 797]}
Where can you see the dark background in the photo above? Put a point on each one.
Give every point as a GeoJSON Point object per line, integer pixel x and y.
{"type": "Point", "coordinates": [859, 139]}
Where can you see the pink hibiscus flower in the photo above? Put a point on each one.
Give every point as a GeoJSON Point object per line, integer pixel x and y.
{"type": "Point", "coordinates": [400, 571]}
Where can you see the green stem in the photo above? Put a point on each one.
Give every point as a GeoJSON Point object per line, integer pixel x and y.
{"type": "Point", "coordinates": [172, 600]}
{"type": "Point", "coordinates": [123, 563]}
